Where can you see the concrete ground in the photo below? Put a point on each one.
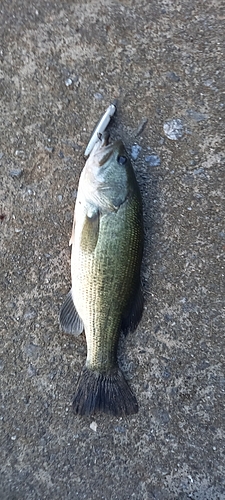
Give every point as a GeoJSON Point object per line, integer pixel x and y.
{"type": "Point", "coordinates": [61, 64]}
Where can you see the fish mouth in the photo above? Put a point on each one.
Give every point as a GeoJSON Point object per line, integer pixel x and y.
{"type": "Point", "coordinates": [104, 138]}
{"type": "Point", "coordinates": [103, 149]}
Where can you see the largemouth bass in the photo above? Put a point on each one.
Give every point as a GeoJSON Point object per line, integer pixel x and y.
{"type": "Point", "coordinates": [106, 297]}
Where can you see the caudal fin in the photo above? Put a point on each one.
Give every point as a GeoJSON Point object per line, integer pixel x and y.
{"type": "Point", "coordinates": [107, 393]}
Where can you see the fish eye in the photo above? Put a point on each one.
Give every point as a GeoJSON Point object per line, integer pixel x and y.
{"type": "Point", "coordinates": [121, 160]}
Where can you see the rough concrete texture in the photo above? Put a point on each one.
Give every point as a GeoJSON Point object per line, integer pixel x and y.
{"type": "Point", "coordinates": [62, 63]}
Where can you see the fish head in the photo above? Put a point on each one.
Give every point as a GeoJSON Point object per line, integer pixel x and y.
{"type": "Point", "coordinates": [108, 175]}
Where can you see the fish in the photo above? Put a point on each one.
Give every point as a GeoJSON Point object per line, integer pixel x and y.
{"type": "Point", "coordinates": [106, 297]}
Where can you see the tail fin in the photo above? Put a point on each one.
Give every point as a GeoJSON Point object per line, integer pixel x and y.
{"type": "Point", "coordinates": [107, 393]}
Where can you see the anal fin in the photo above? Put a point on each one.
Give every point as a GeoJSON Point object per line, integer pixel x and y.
{"type": "Point", "coordinates": [69, 318]}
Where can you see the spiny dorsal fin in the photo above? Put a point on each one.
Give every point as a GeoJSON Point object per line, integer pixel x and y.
{"type": "Point", "coordinates": [69, 318]}
{"type": "Point", "coordinates": [133, 313]}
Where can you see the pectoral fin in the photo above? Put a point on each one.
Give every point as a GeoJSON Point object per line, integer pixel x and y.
{"type": "Point", "coordinates": [90, 232]}
{"type": "Point", "coordinates": [133, 313]}
{"type": "Point", "coordinates": [69, 318]}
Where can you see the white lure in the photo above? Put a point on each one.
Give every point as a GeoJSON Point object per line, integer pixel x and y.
{"type": "Point", "coordinates": [100, 128]}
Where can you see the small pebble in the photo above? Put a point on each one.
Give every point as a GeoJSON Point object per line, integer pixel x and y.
{"type": "Point", "coordinates": [93, 426]}
{"type": "Point", "coordinates": [17, 172]}
{"type": "Point", "coordinates": [29, 314]}
{"type": "Point", "coordinates": [135, 151]}
{"type": "Point", "coordinates": [98, 96]}
{"type": "Point", "coordinates": [68, 82]}
{"type": "Point", "coordinates": [49, 149]}
{"type": "Point", "coordinates": [173, 77]}
{"type": "Point", "coordinates": [153, 160]}
{"type": "Point", "coordinates": [20, 153]}
{"type": "Point", "coordinates": [198, 171]}
{"type": "Point", "coordinates": [174, 129]}
{"type": "Point", "coordinates": [210, 83]}
{"type": "Point", "coordinates": [120, 429]}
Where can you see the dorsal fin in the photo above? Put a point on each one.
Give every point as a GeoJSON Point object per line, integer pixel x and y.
{"type": "Point", "coordinates": [133, 313]}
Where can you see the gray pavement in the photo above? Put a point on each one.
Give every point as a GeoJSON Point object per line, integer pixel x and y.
{"type": "Point", "coordinates": [61, 64]}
